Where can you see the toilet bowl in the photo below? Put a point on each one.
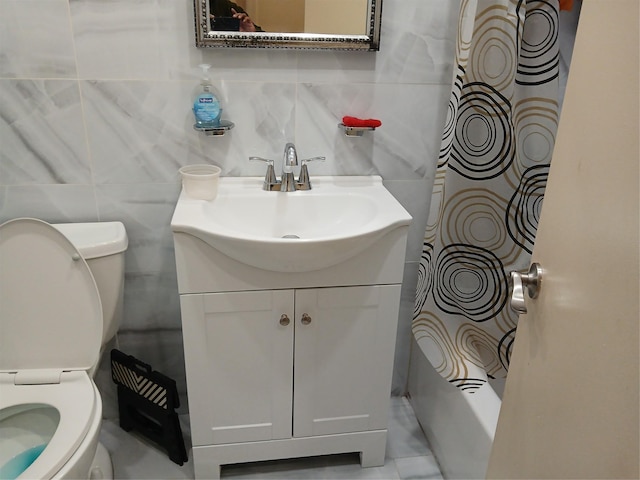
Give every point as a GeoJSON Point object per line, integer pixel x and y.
{"type": "Point", "coordinates": [72, 408]}
{"type": "Point", "coordinates": [51, 317]}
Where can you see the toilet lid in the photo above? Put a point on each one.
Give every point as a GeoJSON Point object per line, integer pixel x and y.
{"type": "Point", "coordinates": [50, 312]}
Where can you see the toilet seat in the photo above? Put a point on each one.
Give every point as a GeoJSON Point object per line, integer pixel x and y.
{"type": "Point", "coordinates": [51, 322]}
{"type": "Point", "coordinates": [49, 302]}
{"type": "Point", "coordinates": [78, 404]}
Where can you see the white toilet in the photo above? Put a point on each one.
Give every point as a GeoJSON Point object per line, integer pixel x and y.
{"type": "Point", "coordinates": [51, 336]}
{"type": "Point", "coordinates": [102, 245]}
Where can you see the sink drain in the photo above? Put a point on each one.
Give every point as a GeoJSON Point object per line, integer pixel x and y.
{"type": "Point", "coordinates": [290, 236]}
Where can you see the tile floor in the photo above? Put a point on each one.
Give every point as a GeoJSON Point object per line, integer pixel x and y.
{"type": "Point", "coordinates": [408, 457]}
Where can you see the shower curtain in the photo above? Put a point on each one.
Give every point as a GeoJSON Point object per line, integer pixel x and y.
{"type": "Point", "coordinates": [489, 185]}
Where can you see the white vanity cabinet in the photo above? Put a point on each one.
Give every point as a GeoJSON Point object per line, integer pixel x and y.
{"type": "Point", "coordinates": [285, 364]}
{"type": "Point", "coordinates": [289, 363]}
{"type": "Point", "coordinates": [343, 358]}
{"type": "Point", "coordinates": [239, 365]}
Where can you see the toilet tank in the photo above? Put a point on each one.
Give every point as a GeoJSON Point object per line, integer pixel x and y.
{"type": "Point", "coordinates": [102, 245]}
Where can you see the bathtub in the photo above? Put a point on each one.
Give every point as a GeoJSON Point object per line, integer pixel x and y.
{"type": "Point", "coordinates": [459, 426]}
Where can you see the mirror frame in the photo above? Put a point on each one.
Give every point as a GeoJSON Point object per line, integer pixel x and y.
{"type": "Point", "coordinates": [316, 41]}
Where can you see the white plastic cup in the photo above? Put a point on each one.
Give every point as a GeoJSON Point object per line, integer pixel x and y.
{"type": "Point", "coordinates": [200, 181]}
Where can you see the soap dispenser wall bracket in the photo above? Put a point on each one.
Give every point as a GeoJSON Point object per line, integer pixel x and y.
{"type": "Point", "coordinates": [355, 131]}
{"type": "Point", "coordinates": [218, 130]}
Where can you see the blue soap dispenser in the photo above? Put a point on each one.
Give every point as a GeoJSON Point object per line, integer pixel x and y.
{"type": "Point", "coordinates": [206, 107]}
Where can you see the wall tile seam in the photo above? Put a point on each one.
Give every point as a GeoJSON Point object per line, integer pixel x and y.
{"type": "Point", "coordinates": [97, 184]}
{"type": "Point", "coordinates": [230, 81]}
{"type": "Point", "coordinates": [48, 78]}
{"type": "Point", "coordinates": [376, 83]}
{"type": "Point", "coordinates": [130, 330]}
{"type": "Point", "coordinates": [22, 185]}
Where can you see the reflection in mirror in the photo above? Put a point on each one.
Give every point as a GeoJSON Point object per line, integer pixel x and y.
{"type": "Point", "coordinates": [317, 24]}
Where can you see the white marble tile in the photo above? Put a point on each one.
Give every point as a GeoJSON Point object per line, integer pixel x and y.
{"type": "Point", "coordinates": [418, 41]}
{"type": "Point", "coordinates": [135, 457]}
{"type": "Point", "coordinates": [157, 42]}
{"type": "Point", "coordinates": [415, 197]}
{"type": "Point", "coordinates": [253, 65]}
{"type": "Point", "coordinates": [142, 132]}
{"type": "Point", "coordinates": [338, 67]}
{"type": "Point", "coordinates": [404, 147]}
{"type": "Point", "coordinates": [146, 211]}
{"type": "Point", "coordinates": [403, 335]}
{"type": "Point", "coordinates": [418, 468]}
{"type": "Point", "coordinates": [151, 297]}
{"type": "Point", "coordinates": [142, 39]}
{"type": "Point", "coordinates": [42, 133]}
{"type": "Point", "coordinates": [35, 39]}
{"type": "Point", "coordinates": [151, 300]}
{"type": "Point", "coordinates": [405, 437]}
{"type": "Point", "coordinates": [264, 118]}
{"type": "Point", "coordinates": [52, 203]}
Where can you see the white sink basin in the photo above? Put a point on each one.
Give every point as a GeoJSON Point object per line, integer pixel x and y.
{"type": "Point", "coordinates": [296, 231]}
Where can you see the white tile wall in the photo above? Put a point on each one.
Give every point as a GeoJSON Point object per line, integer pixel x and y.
{"type": "Point", "coordinates": [95, 120]}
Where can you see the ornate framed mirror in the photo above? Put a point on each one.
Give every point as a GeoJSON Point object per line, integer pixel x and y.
{"type": "Point", "coordinates": [300, 24]}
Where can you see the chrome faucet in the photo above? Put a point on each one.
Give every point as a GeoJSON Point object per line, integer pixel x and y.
{"type": "Point", "coordinates": [289, 160]}
{"type": "Point", "coordinates": [287, 183]}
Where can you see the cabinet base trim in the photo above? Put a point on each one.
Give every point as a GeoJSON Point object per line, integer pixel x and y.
{"type": "Point", "coordinates": [371, 445]}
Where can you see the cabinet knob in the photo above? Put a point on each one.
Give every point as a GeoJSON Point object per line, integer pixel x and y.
{"type": "Point", "coordinates": [306, 319]}
{"type": "Point", "coordinates": [284, 320]}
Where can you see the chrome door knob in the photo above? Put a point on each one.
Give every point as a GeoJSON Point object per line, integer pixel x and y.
{"type": "Point", "coordinates": [306, 319]}
{"type": "Point", "coordinates": [519, 281]}
{"type": "Point", "coordinates": [284, 320]}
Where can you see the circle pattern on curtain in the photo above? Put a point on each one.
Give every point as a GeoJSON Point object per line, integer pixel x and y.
{"type": "Point", "coordinates": [493, 166]}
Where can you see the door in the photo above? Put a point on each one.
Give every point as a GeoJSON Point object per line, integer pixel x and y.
{"type": "Point", "coordinates": [239, 361]}
{"type": "Point", "coordinates": [276, 15]}
{"type": "Point", "coordinates": [344, 344]}
{"type": "Point", "coordinates": [570, 406]}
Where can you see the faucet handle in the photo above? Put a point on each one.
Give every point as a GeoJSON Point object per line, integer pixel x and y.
{"type": "Point", "coordinates": [260, 159]}
{"type": "Point", "coordinates": [304, 161]}
{"type": "Point", "coordinates": [304, 183]}
{"type": "Point", "coordinates": [270, 175]}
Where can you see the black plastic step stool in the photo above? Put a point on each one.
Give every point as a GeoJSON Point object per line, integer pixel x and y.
{"type": "Point", "coordinates": [147, 401]}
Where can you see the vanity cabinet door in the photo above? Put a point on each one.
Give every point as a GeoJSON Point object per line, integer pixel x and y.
{"type": "Point", "coordinates": [344, 346]}
{"type": "Point", "coordinates": [239, 361]}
